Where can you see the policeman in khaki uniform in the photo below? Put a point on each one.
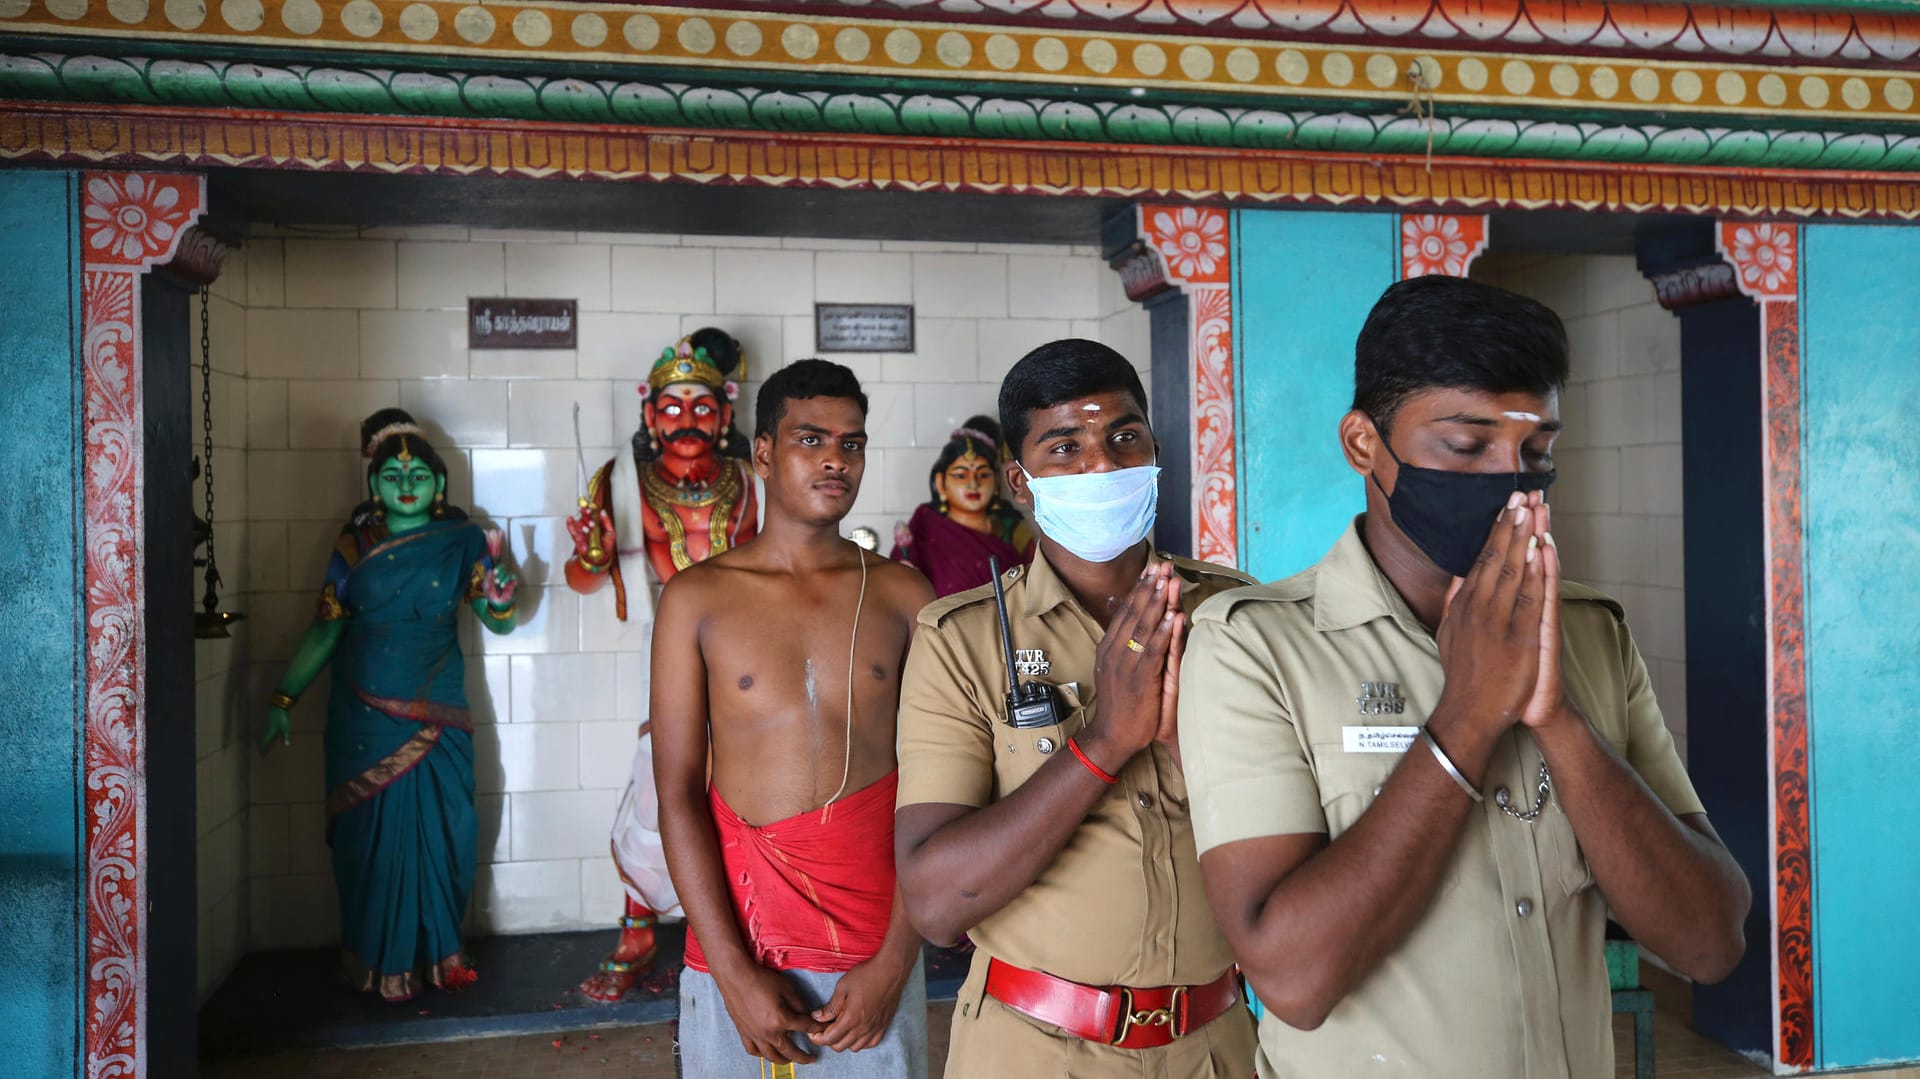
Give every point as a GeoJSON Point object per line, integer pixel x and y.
{"type": "Point", "coordinates": [1064, 850]}
{"type": "Point", "coordinates": [1424, 769]}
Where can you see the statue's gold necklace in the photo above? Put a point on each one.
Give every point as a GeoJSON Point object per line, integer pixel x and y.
{"type": "Point", "coordinates": [663, 497]}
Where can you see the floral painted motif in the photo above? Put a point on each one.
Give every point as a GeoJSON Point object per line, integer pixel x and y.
{"type": "Point", "coordinates": [1191, 246]}
{"type": "Point", "coordinates": [1440, 244]}
{"type": "Point", "coordinates": [129, 222]}
{"type": "Point", "coordinates": [1192, 241]}
{"type": "Point", "coordinates": [132, 219]}
{"type": "Point", "coordinates": [1765, 265]}
{"type": "Point", "coordinates": [1215, 514]}
{"type": "Point", "coordinates": [1763, 256]}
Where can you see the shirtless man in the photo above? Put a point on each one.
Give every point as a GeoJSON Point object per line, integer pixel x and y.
{"type": "Point", "coordinates": [784, 654]}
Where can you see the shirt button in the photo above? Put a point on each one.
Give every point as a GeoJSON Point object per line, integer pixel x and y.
{"type": "Point", "coordinates": [1376, 792]}
{"type": "Point", "coordinates": [1523, 908]}
{"type": "Point", "coordinates": [1145, 800]}
{"type": "Point", "coordinates": [1044, 745]}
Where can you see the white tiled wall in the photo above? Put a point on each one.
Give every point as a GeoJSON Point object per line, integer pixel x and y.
{"type": "Point", "coordinates": [334, 325]}
{"type": "Point", "coordinates": [224, 712]}
{"type": "Point", "coordinates": [1617, 504]}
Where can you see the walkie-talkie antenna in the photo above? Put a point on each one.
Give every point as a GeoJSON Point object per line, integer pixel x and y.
{"type": "Point", "coordinates": [1006, 633]}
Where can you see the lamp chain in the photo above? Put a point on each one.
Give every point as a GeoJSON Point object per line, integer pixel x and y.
{"type": "Point", "coordinates": [211, 600]}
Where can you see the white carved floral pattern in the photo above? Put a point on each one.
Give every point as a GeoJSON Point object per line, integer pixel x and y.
{"type": "Point", "coordinates": [1764, 258]}
{"type": "Point", "coordinates": [130, 221]}
{"type": "Point", "coordinates": [1191, 244]}
{"type": "Point", "coordinates": [131, 217]}
{"type": "Point", "coordinates": [1439, 244]}
{"type": "Point", "coordinates": [1215, 524]}
{"type": "Point", "coordinates": [1192, 241]}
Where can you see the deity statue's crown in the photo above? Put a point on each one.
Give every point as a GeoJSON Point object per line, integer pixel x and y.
{"type": "Point", "coordinates": [685, 363]}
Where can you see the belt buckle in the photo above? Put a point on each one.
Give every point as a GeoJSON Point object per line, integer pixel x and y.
{"type": "Point", "coordinates": [1169, 1016]}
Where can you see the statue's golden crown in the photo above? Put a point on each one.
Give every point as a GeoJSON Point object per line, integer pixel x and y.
{"type": "Point", "coordinates": [684, 363]}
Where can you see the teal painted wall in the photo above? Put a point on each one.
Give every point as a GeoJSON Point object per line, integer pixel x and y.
{"type": "Point", "coordinates": [1861, 511]}
{"type": "Point", "coordinates": [1303, 283]}
{"type": "Point", "coordinates": [41, 857]}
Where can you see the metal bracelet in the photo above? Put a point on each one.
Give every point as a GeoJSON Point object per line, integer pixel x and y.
{"type": "Point", "coordinates": [1447, 763]}
{"type": "Point", "coordinates": [283, 701]}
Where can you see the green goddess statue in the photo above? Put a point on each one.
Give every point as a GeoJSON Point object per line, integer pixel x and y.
{"type": "Point", "coordinates": [399, 736]}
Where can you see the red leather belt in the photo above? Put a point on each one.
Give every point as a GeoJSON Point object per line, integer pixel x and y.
{"type": "Point", "coordinates": [1116, 1015]}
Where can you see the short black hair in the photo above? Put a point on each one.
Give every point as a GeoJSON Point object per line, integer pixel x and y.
{"type": "Point", "coordinates": [798, 381]}
{"type": "Point", "coordinates": [1061, 371]}
{"type": "Point", "coordinates": [1437, 331]}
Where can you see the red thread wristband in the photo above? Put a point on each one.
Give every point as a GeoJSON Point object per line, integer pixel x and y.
{"type": "Point", "coordinates": [1074, 745]}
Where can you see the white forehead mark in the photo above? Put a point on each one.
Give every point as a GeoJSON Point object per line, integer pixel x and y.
{"type": "Point", "coordinates": [1530, 417]}
{"type": "Point", "coordinates": [1089, 407]}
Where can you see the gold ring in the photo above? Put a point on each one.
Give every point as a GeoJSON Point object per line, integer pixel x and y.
{"type": "Point", "coordinates": [1135, 646]}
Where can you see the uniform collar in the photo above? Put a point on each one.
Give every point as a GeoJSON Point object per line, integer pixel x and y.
{"type": "Point", "coordinates": [1044, 588]}
{"type": "Point", "coordinates": [1349, 589]}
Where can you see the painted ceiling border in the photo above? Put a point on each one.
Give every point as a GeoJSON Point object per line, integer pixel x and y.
{"type": "Point", "coordinates": [112, 81]}
{"type": "Point", "coordinates": [48, 133]}
{"type": "Point", "coordinates": [1850, 30]}
{"type": "Point", "coordinates": [1380, 74]}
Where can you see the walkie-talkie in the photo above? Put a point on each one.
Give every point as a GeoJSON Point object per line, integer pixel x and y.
{"type": "Point", "coordinates": [1033, 704]}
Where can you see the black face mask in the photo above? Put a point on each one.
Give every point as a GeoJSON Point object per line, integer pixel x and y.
{"type": "Point", "coordinates": [1448, 515]}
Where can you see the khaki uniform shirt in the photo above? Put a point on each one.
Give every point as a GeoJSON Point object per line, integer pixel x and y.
{"type": "Point", "coordinates": [1505, 976]}
{"type": "Point", "coordinates": [1122, 902]}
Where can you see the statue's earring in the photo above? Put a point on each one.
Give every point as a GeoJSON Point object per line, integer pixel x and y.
{"type": "Point", "coordinates": [439, 503]}
{"type": "Point", "coordinates": [723, 440]}
{"type": "Point", "coordinates": [943, 503]}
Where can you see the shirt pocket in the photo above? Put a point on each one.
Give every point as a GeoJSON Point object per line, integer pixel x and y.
{"type": "Point", "coordinates": [1349, 782]}
{"type": "Point", "coordinates": [1562, 859]}
{"type": "Point", "coordinates": [1019, 752]}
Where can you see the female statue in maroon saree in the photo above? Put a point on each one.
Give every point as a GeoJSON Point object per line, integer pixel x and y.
{"type": "Point", "coordinates": [951, 536]}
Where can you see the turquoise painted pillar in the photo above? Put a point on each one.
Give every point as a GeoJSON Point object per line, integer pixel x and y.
{"type": "Point", "coordinates": [1303, 283]}
{"type": "Point", "coordinates": [1860, 288]}
{"type": "Point", "coordinates": [42, 703]}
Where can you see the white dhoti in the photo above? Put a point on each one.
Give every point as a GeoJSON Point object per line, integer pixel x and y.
{"type": "Point", "coordinates": [637, 849]}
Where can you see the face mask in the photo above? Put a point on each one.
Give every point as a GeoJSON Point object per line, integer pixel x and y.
{"type": "Point", "coordinates": [1096, 515]}
{"type": "Point", "coordinates": [1448, 515]}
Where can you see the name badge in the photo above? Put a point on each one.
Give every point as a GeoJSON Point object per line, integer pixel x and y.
{"type": "Point", "coordinates": [1377, 739]}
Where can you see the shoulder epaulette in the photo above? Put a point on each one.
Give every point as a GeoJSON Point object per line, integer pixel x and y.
{"type": "Point", "coordinates": [1579, 593]}
{"type": "Point", "coordinates": [1293, 589]}
{"type": "Point", "coordinates": [1209, 569]}
{"type": "Point", "coordinates": [933, 613]}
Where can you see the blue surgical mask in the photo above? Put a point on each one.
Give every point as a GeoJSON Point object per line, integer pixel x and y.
{"type": "Point", "coordinates": [1096, 515]}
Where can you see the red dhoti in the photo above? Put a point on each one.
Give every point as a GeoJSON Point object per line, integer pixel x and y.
{"type": "Point", "coordinates": [814, 891]}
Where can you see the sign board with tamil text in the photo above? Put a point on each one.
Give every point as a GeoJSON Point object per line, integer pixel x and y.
{"type": "Point", "coordinates": [863, 327]}
{"type": "Point", "coordinates": [501, 322]}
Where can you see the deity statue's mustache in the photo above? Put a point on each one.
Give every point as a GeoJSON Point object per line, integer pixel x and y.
{"type": "Point", "coordinates": [686, 433]}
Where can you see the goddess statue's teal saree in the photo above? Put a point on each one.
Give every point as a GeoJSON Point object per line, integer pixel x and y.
{"type": "Point", "coordinates": [399, 751]}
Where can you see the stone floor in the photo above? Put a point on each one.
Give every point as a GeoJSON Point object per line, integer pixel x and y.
{"type": "Point", "coordinates": [646, 1052]}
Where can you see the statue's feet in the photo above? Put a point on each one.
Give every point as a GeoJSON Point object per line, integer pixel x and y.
{"type": "Point", "coordinates": [631, 959]}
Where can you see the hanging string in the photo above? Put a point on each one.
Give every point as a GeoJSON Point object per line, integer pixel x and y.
{"type": "Point", "coordinates": [846, 768]}
{"type": "Point", "coordinates": [1421, 110]}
